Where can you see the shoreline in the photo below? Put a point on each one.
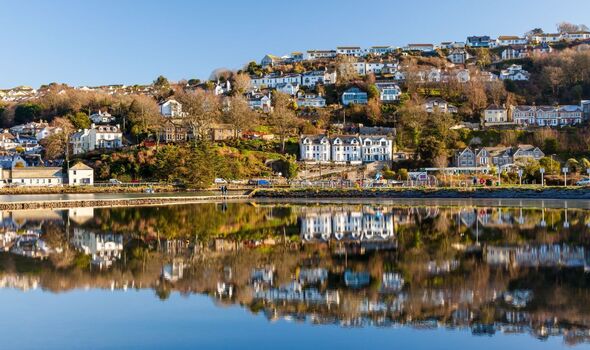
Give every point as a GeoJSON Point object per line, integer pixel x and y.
{"type": "Point", "coordinates": [548, 193]}
{"type": "Point", "coordinates": [575, 193]}
{"type": "Point", "coordinates": [116, 202]}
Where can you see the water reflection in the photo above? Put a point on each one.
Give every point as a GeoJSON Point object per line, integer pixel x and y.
{"type": "Point", "coordinates": [486, 269]}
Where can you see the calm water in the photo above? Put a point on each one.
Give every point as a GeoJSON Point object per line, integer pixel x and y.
{"type": "Point", "coordinates": [406, 274]}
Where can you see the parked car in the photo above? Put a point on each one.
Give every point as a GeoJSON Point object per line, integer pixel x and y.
{"type": "Point", "coordinates": [115, 182]}
{"type": "Point", "coordinates": [220, 181]}
{"type": "Point", "coordinates": [259, 183]}
{"type": "Point", "coordinates": [584, 182]}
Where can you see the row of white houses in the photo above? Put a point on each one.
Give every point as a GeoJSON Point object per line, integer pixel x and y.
{"type": "Point", "coordinates": [350, 149]}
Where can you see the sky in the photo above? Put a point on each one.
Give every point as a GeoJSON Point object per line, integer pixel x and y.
{"type": "Point", "coordinates": [92, 42]}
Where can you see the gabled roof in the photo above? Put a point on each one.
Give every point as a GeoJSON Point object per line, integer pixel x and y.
{"type": "Point", "coordinates": [36, 172]}
{"type": "Point", "coordinates": [80, 166]}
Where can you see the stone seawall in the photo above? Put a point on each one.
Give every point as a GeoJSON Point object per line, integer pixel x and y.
{"type": "Point", "coordinates": [124, 202]}
{"type": "Point", "coordinates": [492, 193]}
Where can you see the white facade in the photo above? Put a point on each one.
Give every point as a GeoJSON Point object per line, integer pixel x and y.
{"type": "Point", "coordinates": [97, 137]}
{"type": "Point", "coordinates": [495, 114]}
{"type": "Point", "coordinates": [288, 88]}
{"type": "Point", "coordinates": [104, 248]}
{"type": "Point", "coordinates": [271, 81]}
{"type": "Point", "coordinates": [319, 54]}
{"type": "Point", "coordinates": [514, 72]}
{"type": "Point", "coordinates": [311, 100]}
{"type": "Point", "coordinates": [80, 175]}
{"type": "Point", "coordinates": [346, 148]}
{"type": "Point", "coordinates": [102, 118]}
{"type": "Point", "coordinates": [354, 51]}
{"type": "Point", "coordinates": [171, 109]}
{"type": "Point", "coordinates": [388, 92]}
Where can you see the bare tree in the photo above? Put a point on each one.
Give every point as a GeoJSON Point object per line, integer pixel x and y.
{"type": "Point", "coordinates": [241, 83]}
{"type": "Point", "coordinates": [345, 69]}
{"type": "Point", "coordinates": [202, 109]}
{"type": "Point", "coordinates": [58, 144]}
{"type": "Point", "coordinates": [238, 113]}
{"type": "Point", "coordinates": [567, 27]}
{"type": "Point", "coordinates": [282, 118]}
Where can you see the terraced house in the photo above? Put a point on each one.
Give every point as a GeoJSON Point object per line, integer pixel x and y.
{"type": "Point", "coordinates": [351, 149]}
{"type": "Point", "coordinates": [563, 115]}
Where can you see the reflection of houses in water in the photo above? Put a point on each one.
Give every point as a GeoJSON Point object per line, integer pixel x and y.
{"type": "Point", "coordinates": [7, 239]}
{"type": "Point", "coordinates": [30, 245]}
{"type": "Point", "coordinates": [531, 256]}
{"type": "Point", "coordinates": [173, 271]}
{"type": "Point", "coordinates": [294, 292]}
{"type": "Point", "coordinates": [392, 282]}
{"type": "Point", "coordinates": [81, 215]}
{"type": "Point", "coordinates": [368, 224]}
{"type": "Point", "coordinates": [21, 282]}
{"type": "Point", "coordinates": [356, 279]}
{"type": "Point", "coordinates": [224, 290]}
{"type": "Point", "coordinates": [104, 248]}
{"type": "Point", "coordinates": [442, 267]}
{"type": "Point", "coordinates": [313, 275]}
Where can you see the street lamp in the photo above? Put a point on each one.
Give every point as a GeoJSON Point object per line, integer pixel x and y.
{"type": "Point", "coordinates": [565, 170]}
{"type": "Point", "coordinates": [519, 172]}
{"type": "Point", "coordinates": [542, 171]}
{"type": "Point", "coordinates": [588, 171]}
{"type": "Point", "coordinates": [499, 175]}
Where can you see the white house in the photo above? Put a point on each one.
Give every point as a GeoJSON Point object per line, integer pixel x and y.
{"type": "Point", "coordinates": [97, 137]}
{"type": "Point", "coordinates": [32, 176]}
{"type": "Point", "coordinates": [514, 52]}
{"type": "Point", "coordinates": [222, 88]}
{"type": "Point", "coordinates": [259, 101]}
{"type": "Point", "coordinates": [47, 131]}
{"type": "Point", "coordinates": [311, 100]}
{"type": "Point", "coordinates": [514, 72]}
{"type": "Point", "coordinates": [80, 175]}
{"type": "Point", "coordinates": [506, 40]}
{"type": "Point", "coordinates": [438, 104]}
{"type": "Point", "coordinates": [380, 50]}
{"type": "Point", "coordinates": [312, 78]}
{"type": "Point", "coordinates": [388, 92]}
{"type": "Point", "coordinates": [320, 54]}
{"type": "Point", "coordinates": [419, 47]}
{"type": "Point", "coordinates": [270, 60]}
{"type": "Point", "coordinates": [314, 148]}
{"type": "Point", "coordinates": [354, 51]}
{"type": "Point", "coordinates": [548, 115]}
{"type": "Point", "coordinates": [376, 148]}
{"type": "Point", "coordinates": [171, 109]}
{"type": "Point", "coordinates": [458, 56]}
{"type": "Point", "coordinates": [102, 117]}
{"type": "Point", "coordinates": [547, 38]}
{"type": "Point", "coordinates": [288, 88]}
{"type": "Point", "coordinates": [346, 149]}
{"type": "Point", "coordinates": [354, 95]}
{"type": "Point", "coordinates": [496, 115]}
{"type": "Point", "coordinates": [272, 80]}
{"type": "Point", "coordinates": [7, 141]}
{"type": "Point", "coordinates": [580, 35]}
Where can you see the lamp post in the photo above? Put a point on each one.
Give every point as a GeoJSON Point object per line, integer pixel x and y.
{"type": "Point", "coordinates": [542, 171]}
{"type": "Point", "coordinates": [565, 170]}
{"type": "Point", "coordinates": [588, 171]}
{"type": "Point", "coordinates": [499, 175]}
{"type": "Point", "coordinates": [519, 172]}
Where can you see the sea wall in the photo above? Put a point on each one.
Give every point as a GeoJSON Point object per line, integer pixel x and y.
{"type": "Point", "coordinates": [452, 193]}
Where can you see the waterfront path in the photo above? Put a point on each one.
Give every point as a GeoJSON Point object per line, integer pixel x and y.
{"type": "Point", "coordinates": [87, 200]}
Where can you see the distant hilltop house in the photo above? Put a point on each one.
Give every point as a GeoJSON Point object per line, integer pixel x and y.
{"type": "Point", "coordinates": [171, 109]}
{"type": "Point", "coordinates": [312, 78]}
{"type": "Point", "coordinates": [354, 51]}
{"type": "Point", "coordinates": [354, 95]}
{"type": "Point", "coordinates": [97, 137]}
{"type": "Point", "coordinates": [102, 118]}
{"type": "Point", "coordinates": [320, 54]}
{"type": "Point", "coordinates": [507, 40]}
{"type": "Point", "coordinates": [419, 47]}
{"type": "Point", "coordinates": [288, 88]}
{"type": "Point", "coordinates": [222, 88]}
{"type": "Point", "coordinates": [380, 50]}
{"type": "Point", "coordinates": [272, 80]}
{"type": "Point", "coordinates": [478, 41]}
{"type": "Point", "coordinates": [345, 148]}
{"type": "Point", "coordinates": [514, 52]}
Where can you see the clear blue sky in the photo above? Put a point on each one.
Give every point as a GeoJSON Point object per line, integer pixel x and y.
{"type": "Point", "coordinates": [91, 42]}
